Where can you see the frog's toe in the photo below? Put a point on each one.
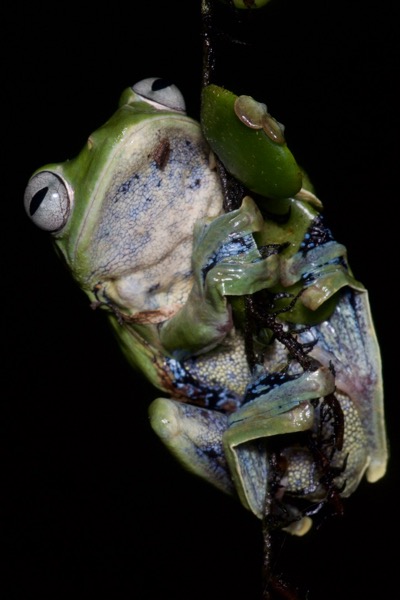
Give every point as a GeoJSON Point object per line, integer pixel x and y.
{"type": "Point", "coordinates": [194, 436]}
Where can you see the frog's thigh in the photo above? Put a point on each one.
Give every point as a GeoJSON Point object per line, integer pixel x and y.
{"type": "Point", "coordinates": [194, 436]}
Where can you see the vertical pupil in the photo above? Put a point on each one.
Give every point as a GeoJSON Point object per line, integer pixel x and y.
{"type": "Point", "coordinates": [37, 200]}
{"type": "Point", "coordinates": [160, 84]}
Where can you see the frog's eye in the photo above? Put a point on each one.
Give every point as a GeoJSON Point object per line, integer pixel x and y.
{"type": "Point", "coordinates": [161, 93]}
{"type": "Point", "coordinates": [47, 201]}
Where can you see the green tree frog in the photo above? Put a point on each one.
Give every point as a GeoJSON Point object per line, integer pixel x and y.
{"type": "Point", "coordinates": [138, 218]}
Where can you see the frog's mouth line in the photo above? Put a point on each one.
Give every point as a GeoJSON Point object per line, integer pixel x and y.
{"type": "Point", "coordinates": [152, 316]}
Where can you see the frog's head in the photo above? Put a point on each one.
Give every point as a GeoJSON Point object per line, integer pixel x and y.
{"type": "Point", "coordinates": [122, 212]}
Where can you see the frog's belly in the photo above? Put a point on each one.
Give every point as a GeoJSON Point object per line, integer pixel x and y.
{"type": "Point", "coordinates": [215, 380]}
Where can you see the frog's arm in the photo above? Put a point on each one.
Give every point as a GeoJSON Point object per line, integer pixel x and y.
{"type": "Point", "coordinates": [251, 145]}
{"type": "Point", "coordinates": [313, 265]}
{"type": "Point", "coordinates": [226, 262]}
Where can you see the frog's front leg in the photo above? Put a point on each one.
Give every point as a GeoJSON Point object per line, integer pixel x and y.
{"type": "Point", "coordinates": [226, 262]}
{"type": "Point", "coordinates": [315, 262]}
{"type": "Point", "coordinates": [322, 269]}
{"type": "Point", "coordinates": [275, 404]}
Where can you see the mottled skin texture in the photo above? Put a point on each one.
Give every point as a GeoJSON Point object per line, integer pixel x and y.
{"type": "Point", "coordinates": [141, 226]}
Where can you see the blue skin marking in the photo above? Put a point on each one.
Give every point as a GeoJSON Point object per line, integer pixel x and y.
{"type": "Point", "coordinates": [316, 235]}
{"type": "Point", "coordinates": [265, 383]}
{"type": "Point", "coordinates": [215, 397]}
{"type": "Point", "coordinates": [201, 393]}
{"type": "Point", "coordinates": [236, 245]}
{"type": "Point", "coordinates": [309, 277]}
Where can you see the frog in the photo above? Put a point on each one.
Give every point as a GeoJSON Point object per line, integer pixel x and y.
{"type": "Point", "coordinates": [138, 217]}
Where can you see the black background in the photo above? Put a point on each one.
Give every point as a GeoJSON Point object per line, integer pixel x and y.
{"type": "Point", "coordinates": [92, 504]}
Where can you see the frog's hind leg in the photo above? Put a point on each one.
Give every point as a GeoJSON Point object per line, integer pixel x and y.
{"type": "Point", "coordinates": [194, 437]}
{"type": "Point", "coordinates": [275, 404]}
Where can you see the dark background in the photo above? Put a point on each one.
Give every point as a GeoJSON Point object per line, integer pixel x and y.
{"type": "Point", "coordinates": [92, 504]}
